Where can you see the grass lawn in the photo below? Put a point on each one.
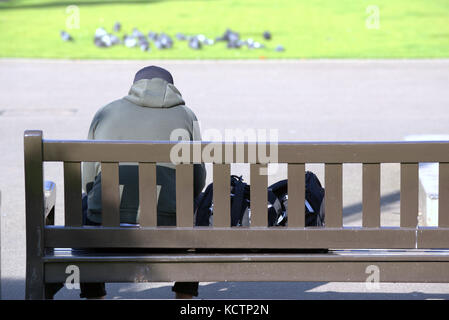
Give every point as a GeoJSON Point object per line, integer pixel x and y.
{"type": "Point", "coordinates": [307, 29]}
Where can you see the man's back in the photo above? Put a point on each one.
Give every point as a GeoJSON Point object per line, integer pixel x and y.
{"type": "Point", "coordinates": [152, 110]}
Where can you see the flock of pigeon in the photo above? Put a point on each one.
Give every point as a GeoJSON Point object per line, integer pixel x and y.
{"type": "Point", "coordinates": [103, 39]}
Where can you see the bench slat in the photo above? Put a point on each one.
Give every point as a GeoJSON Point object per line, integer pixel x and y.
{"type": "Point", "coordinates": [409, 195]}
{"type": "Point", "coordinates": [221, 195]}
{"type": "Point", "coordinates": [288, 152]}
{"type": "Point", "coordinates": [251, 269]}
{"type": "Point", "coordinates": [184, 195]}
{"type": "Point", "coordinates": [333, 195]}
{"type": "Point", "coordinates": [432, 238]}
{"type": "Point", "coordinates": [147, 195]}
{"type": "Point", "coordinates": [443, 195]}
{"type": "Point", "coordinates": [259, 202]}
{"type": "Point", "coordinates": [371, 195]}
{"type": "Point", "coordinates": [296, 195]}
{"type": "Point", "coordinates": [235, 238]}
{"type": "Point", "coordinates": [110, 194]}
{"type": "Point", "coordinates": [72, 194]}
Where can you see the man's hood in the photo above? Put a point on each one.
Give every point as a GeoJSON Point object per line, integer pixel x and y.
{"type": "Point", "coordinates": [154, 93]}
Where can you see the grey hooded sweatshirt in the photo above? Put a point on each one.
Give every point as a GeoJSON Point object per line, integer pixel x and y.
{"type": "Point", "coordinates": [151, 111]}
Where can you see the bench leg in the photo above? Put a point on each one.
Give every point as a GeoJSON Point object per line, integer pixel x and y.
{"type": "Point", "coordinates": [35, 212]}
{"type": "Point", "coordinates": [35, 287]}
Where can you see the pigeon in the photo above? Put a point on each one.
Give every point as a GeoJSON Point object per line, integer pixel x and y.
{"type": "Point", "coordinates": [142, 38]}
{"type": "Point", "coordinates": [137, 34]}
{"type": "Point", "coordinates": [209, 42]}
{"type": "Point", "coordinates": [232, 36]}
{"type": "Point", "coordinates": [100, 32]}
{"type": "Point", "coordinates": [235, 44]}
{"type": "Point", "coordinates": [229, 35]}
{"type": "Point", "coordinates": [201, 38]}
{"type": "Point", "coordinates": [279, 48]}
{"type": "Point", "coordinates": [114, 39]}
{"type": "Point", "coordinates": [267, 35]}
{"type": "Point", "coordinates": [144, 46]}
{"type": "Point", "coordinates": [152, 36]}
{"type": "Point", "coordinates": [99, 43]}
{"type": "Point", "coordinates": [194, 43]}
{"type": "Point", "coordinates": [257, 45]}
{"type": "Point", "coordinates": [106, 40]}
{"type": "Point", "coordinates": [251, 44]}
{"type": "Point", "coordinates": [158, 44]}
{"type": "Point", "coordinates": [103, 41]}
{"type": "Point", "coordinates": [162, 40]}
{"type": "Point", "coordinates": [165, 41]}
{"type": "Point", "coordinates": [65, 36]}
{"type": "Point", "coordinates": [129, 42]}
{"type": "Point", "coordinates": [117, 27]}
{"type": "Point", "coordinates": [181, 37]}
{"type": "Point", "coordinates": [233, 39]}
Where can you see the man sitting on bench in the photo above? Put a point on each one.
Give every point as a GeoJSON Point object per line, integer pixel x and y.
{"type": "Point", "coordinates": [152, 110]}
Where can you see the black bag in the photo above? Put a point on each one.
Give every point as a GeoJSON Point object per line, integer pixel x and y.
{"type": "Point", "coordinates": [239, 204]}
{"type": "Point", "coordinates": [277, 203]}
{"type": "Point", "coordinates": [312, 204]}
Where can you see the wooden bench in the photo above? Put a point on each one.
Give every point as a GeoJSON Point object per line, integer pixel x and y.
{"type": "Point", "coordinates": [146, 252]}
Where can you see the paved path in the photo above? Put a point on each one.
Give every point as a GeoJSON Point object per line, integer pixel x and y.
{"type": "Point", "coordinates": [304, 100]}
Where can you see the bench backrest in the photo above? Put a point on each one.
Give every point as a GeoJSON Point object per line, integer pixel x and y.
{"type": "Point", "coordinates": [147, 235]}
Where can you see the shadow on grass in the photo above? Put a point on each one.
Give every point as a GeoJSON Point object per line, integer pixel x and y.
{"type": "Point", "coordinates": [11, 5]}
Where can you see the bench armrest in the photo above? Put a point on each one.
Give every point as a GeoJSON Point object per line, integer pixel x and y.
{"type": "Point", "coordinates": [49, 198]}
